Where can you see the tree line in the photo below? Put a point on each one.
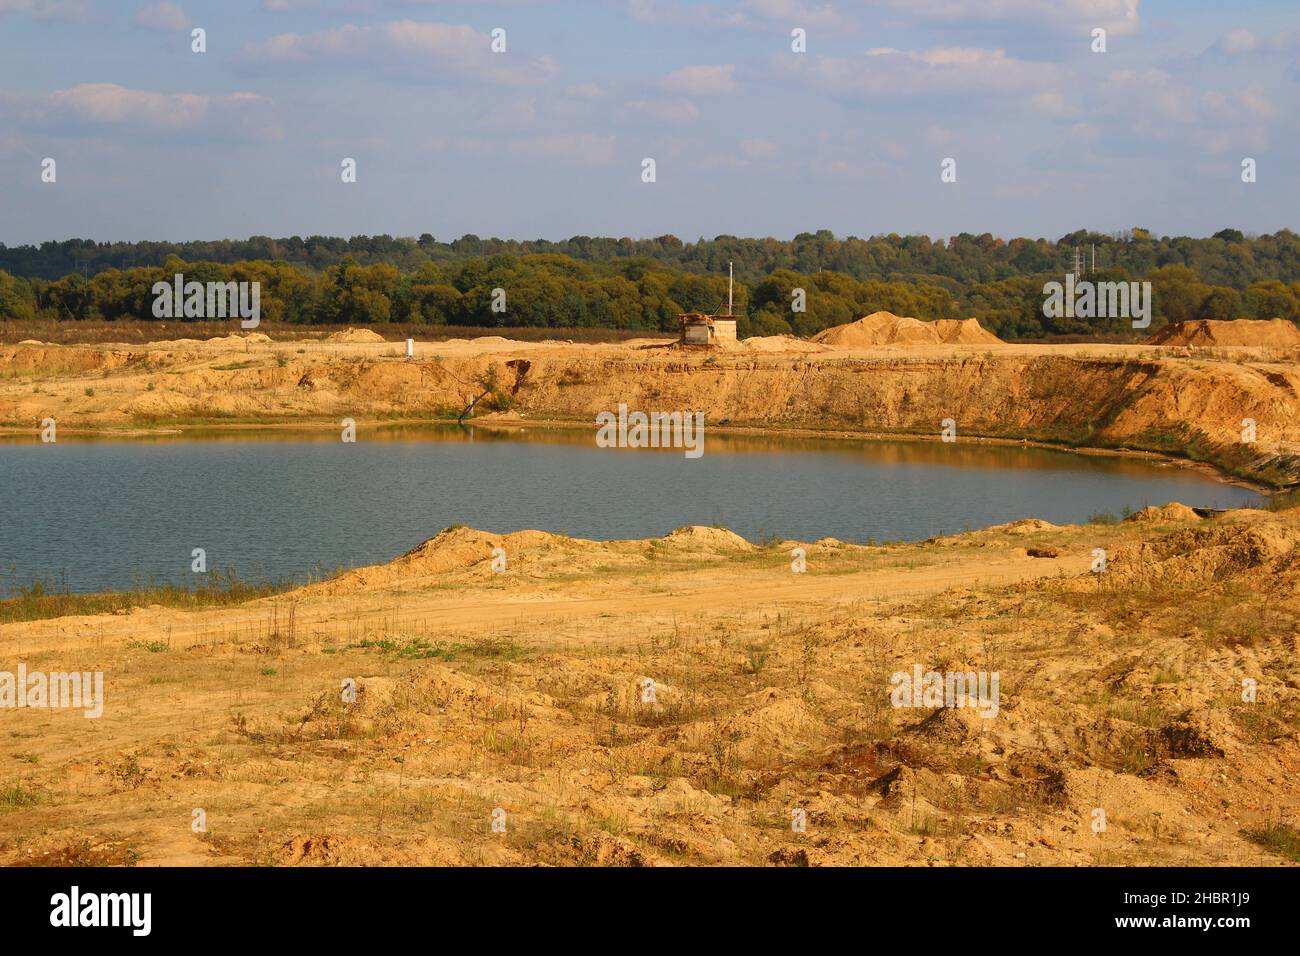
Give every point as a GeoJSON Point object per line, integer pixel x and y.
{"type": "Point", "coordinates": [588, 282]}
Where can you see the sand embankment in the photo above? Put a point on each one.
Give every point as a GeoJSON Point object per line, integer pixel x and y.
{"type": "Point", "coordinates": [1137, 397]}
{"type": "Point", "coordinates": [1259, 333]}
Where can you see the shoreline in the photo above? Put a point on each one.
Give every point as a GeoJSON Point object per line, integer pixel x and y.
{"type": "Point", "coordinates": [509, 422]}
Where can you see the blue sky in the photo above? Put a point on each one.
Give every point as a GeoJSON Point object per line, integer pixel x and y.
{"type": "Point", "coordinates": [153, 141]}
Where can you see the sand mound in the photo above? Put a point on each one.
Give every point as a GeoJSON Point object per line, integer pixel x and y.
{"type": "Point", "coordinates": [965, 332]}
{"type": "Point", "coordinates": [771, 724]}
{"type": "Point", "coordinates": [1274, 333]}
{"type": "Point", "coordinates": [233, 339]}
{"type": "Point", "coordinates": [533, 554]}
{"type": "Point", "coordinates": [1212, 553]}
{"type": "Point", "coordinates": [780, 343]}
{"type": "Point", "coordinates": [1019, 528]}
{"type": "Point", "coordinates": [993, 534]}
{"type": "Point", "coordinates": [878, 328]}
{"type": "Point", "coordinates": [354, 335]}
{"type": "Point", "coordinates": [885, 328]}
{"type": "Point", "coordinates": [1174, 511]}
{"type": "Point", "coordinates": [453, 549]}
{"type": "Point", "coordinates": [711, 539]}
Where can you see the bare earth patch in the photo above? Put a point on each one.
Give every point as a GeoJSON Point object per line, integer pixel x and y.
{"type": "Point", "coordinates": [524, 692]}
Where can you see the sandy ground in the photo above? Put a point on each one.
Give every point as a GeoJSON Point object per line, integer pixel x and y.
{"type": "Point", "coordinates": [520, 692]}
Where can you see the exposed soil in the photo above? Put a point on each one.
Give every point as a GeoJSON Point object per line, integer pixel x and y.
{"type": "Point", "coordinates": [523, 689]}
{"type": "Point", "coordinates": [355, 335]}
{"type": "Point", "coordinates": [1269, 333]}
{"type": "Point", "coordinates": [885, 328]}
{"type": "Point", "coordinates": [1179, 401]}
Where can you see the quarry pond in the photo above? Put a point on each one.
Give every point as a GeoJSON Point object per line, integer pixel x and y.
{"type": "Point", "coordinates": [93, 515]}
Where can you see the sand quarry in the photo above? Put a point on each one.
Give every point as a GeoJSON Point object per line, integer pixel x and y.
{"type": "Point", "coordinates": [517, 694]}
{"type": "Point", "coordinates": [521, 691]}
{"type": "Point", "coordinates": [881, 375]}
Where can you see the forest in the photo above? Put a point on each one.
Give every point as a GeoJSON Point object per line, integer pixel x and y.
{"type": "Point", "coordinates": [643, 284]}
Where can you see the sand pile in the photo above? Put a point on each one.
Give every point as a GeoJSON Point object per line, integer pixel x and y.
{"type": "Point", "coordinates": [780, 343]}
{"type": "Point", "coordinates": [965, 332]}
{"type": "Point", "coordinates": [1019, 528]}
{"type": "Point", "coordinates": [885, 328]}
{"type": "Point", "coordinates": [699, 537]}
{"type": "Point", "coordinates": [878, 328]}
{"type": "Point", "coordinates": [355, 335]}
{"type": "Point", "coordinates": [1253, 552]}
{"type": "Point", "coordinates": [1272, 333]}
{"type": "Point", "coordinates": [452, 549]}
{"type": "Point", "coordinates": [530, 553]}
{"type": "Point", "coordinates": [233, 339]}
{"type": "Point", "coordinates": [1174, 511]}
{"type": "Point", "coordinates": [771, 723]}
{"type": "Point", "coordinates": [220, 341]}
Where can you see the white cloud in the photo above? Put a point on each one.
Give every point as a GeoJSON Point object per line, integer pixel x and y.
{"type": "Point", "coordinates": [47, 9]}
{"type": "Point", "coordinates": [420, 47]}
{"type": "Point", "coordinates": [951, 71]}
{"type": "Point", "coordinates": [1051, 104]}
{"type": "Point", "coordinates": [1164, 108]}
{"type": "Point", "coordinates": [586, 149]}
{"type": "Point", "coordinates": [1237, 41]}
{"type": "Point", "coordinates": [758, 148]}
{"type": "Point", "coordinates": [1240, 41]}
{"type": "Point", "coordinates": [162, 16]}
{"type": "Point", "coordinates": [1227, 108]}
{"type": "Point", "coordinates": [1153, 95]}
{"type": "Point", "coordinates": [585, 91]}
{"type": "Point", "coordinates": [794, 12]}
{"type": "Point", "coordinates": [939, 136]}
{"type": "Point", "coordinates": [702, 80]}
{"type": "Point", "coordinates": [110, 103]}
{"type": "Point", "coordinates": [666, 110]}
{"type": "Point", "coordinates": [1084, 132]}
{"type": "Point", "coordinates": [744, 15]}
{"type": "Point", "coordinates": [1116, 16]}
{"type": "Point", "coordinates": [98, 105]}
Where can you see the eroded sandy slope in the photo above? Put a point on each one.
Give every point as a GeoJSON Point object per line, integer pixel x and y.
{"type": "Point", "coordinates": [523, 690]}
{"type": "Point", "coordinates": [1186, 402]}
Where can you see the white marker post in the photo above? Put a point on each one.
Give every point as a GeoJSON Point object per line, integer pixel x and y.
{"type": "Point", "coordinates": [410, 348]}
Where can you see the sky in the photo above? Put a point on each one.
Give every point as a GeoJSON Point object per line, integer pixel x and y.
{"type": "Point", "coordinates": [547, 139]}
